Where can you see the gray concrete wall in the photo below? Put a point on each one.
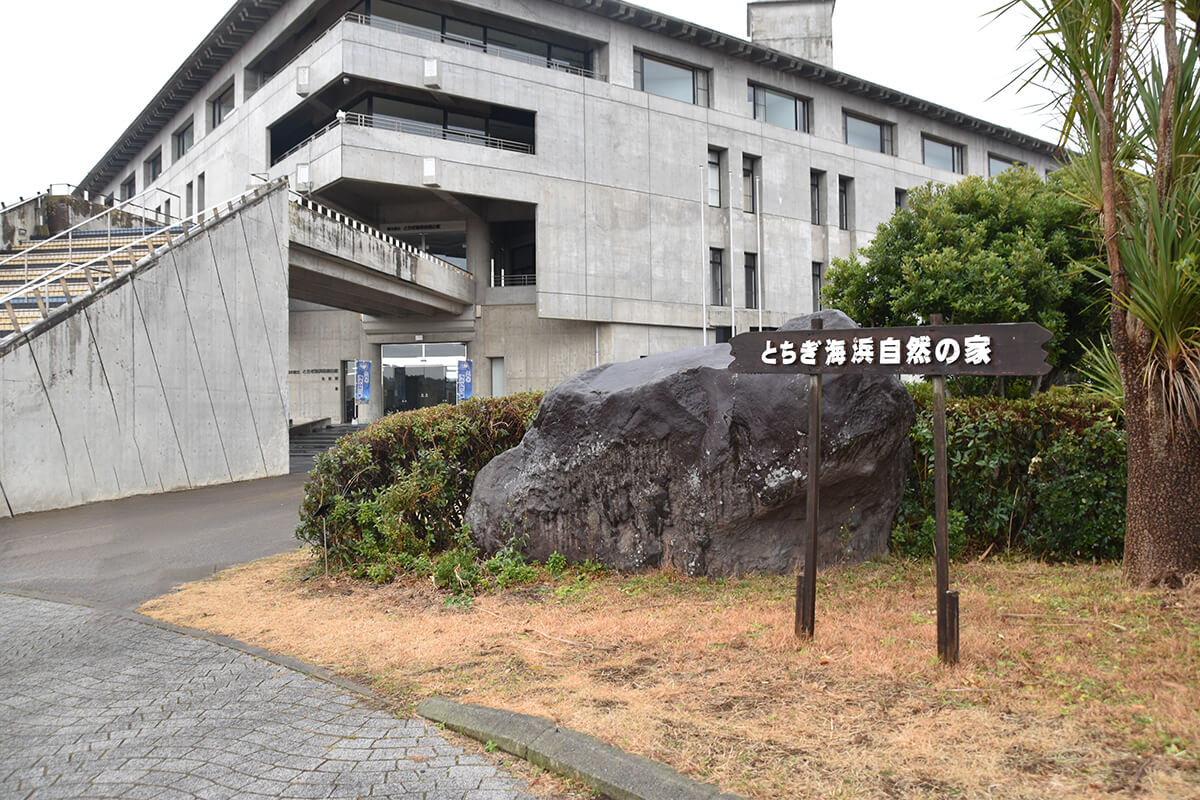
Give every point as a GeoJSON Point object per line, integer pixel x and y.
{"type": "Point", "coordinates": [171, 378]}
{"type": "Point", "coordinates": [319, 341]}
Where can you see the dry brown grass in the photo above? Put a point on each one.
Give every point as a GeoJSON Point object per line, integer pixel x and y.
{"type": "Point", "coordinates": [1093, 691]}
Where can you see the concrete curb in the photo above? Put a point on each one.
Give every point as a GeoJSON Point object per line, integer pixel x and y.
{"type": "Point", "coordinates": [612, 772]}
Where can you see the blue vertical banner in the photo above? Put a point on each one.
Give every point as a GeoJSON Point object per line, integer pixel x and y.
{"type": "Point", "coordinates": [362, 382]}
{"type": "Point", "coordinates": [462, 390]}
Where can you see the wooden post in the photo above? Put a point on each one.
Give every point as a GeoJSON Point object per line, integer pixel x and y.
{"type": "Point", "coordinates": [806, 584]}
{"type": "Point", "coordinates": [947, 619]}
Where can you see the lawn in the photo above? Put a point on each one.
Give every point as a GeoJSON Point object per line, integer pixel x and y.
{"type": "Point", "coordinates": [1071, 685]}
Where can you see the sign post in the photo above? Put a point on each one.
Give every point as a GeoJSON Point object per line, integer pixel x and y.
{"type": "Point", "coordinates": [936, 350]}
{"type": "Point", "coordinates": [806, 589]}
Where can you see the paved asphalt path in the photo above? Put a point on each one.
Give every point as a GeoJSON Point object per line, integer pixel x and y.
{"type": "Point", "coordinates": [98, 702]}
{"type": "Point", "coordinates": [125, 552]}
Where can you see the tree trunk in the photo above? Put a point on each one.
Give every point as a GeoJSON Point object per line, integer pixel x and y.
{"type": "Point", "coordinates": [1162, 511]}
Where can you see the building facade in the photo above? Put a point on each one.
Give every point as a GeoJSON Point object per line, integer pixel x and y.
{"type": "Point", "coordinates": [618, 182]}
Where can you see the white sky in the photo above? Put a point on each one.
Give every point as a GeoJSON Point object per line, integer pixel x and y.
{"type": "Point", "coordinates": [75, 76]}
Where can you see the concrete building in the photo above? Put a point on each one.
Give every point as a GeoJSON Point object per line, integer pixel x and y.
{"type": "Point", "coordinates": [612, 181]}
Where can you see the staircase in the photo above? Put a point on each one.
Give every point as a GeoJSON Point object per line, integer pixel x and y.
{"type": "Point", "coordinates": [38, 279]}
{"type": "Point", "coordinates": [304, 447]}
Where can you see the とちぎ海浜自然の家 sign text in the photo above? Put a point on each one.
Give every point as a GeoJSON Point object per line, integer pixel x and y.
{"type": "Point", "coordinates": [1012, 348]}
{"type": "Point", "coordinates": [937, 350]}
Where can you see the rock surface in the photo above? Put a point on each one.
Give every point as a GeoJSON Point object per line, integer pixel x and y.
{"type": "Point", "coordinates": [672, 460]}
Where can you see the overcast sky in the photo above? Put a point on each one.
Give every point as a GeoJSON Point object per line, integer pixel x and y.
{"type": "Point", "coordinates": [77, 71]}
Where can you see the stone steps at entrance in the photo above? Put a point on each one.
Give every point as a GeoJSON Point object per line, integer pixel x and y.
{"type": "Point", "coordinates": [304, 447]}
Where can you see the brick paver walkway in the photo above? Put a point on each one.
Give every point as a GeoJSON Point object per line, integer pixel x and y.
{"type": "Point", "coordinates": [94, 704]}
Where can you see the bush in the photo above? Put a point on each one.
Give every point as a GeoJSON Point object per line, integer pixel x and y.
{"type": "Point", "coordinates": [1044, 475]}
{"type": "Point", "coordinates": [392, 496]}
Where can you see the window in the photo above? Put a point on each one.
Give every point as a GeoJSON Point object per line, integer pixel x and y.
{"type": "Point", "coordinates": [818, 271]}
{"type": "Point", "coordinates": [183, 139]}
{"type": "Point", "coordinates": [200, 191]}
{"type": "Point", "coordinates": [714, 178]}
{"type": "Point", "coordinates": [845, 202]}
{"type": "Point", "coordinates": [153, 166]}
{"type": "Point", "coordinates": [751, 280]}
{"type": "Point", "coordinates": [901, 199]}
{"type": "Point", "coordinates": [779, 108]}
{"type": "Point", "coordinates": [816, 190]}
{"type": "Point", "coordinates": [943, 155]}
{"type": "Point", "coordinates": [498, 387]}
{"type": "Point", "coordinates": [667, 79]}
{"type": "Point", "coordinates": [716, 276]}
{"type": "Point", "coordinates": [749, 184]}
{"type": "Point", "coordinates": [220, 106]}
{"type": "Point", "coordinates": [998, 164]}
{"type": "Point", "coordinates": [868, 134]}
{"type": "Point", "coordinates": [129, 188]}
{"type": "Point", "coordinates": [189, 206]}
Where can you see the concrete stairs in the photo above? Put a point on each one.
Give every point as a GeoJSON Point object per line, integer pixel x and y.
{"type": "Point", "coordinates": [305, 445]}
{"type": "Point", "coordinates": [106, 254]}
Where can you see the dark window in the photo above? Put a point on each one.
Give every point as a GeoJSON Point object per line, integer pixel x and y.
{"type": "Point", "coordinates": [998, 164]}
{"type": "Point", "coordinates": [751, 280]}
{"type": "Point", "coordinates": [667, 79]}
{"type": "Point", "coordinates": [943, 155]}
{"type": "Point", "coordinates": [779, 108]}
{"type": "Point", "coordinates": [200, 191]}
{"type": "Point", "coordinates": [901, 199]}
{"type": "Point", "coordinates": [868, 134]}
{"type": "Point", "coordinates": [818, 279]}
{"type": "Point", "coordinates": [816, 190]}
{"type": "Point", "coordinates": [750, 174]}
{"type": "Point", "coordinates": [221, 106]}
{"type": "Point", "coordinates": [153, 166]}
{"type": "Point", "coordinates": [183, 139]}
{"type": "Point", "coordinates": [845, 202]}
{"type": "Point", "coordinates": [714, 178]}
{"type": "Point", "coordinates": [189, 200]}
{"type": "Point", "coordinates": [129, 187]}
{"type": "Point", "coordinates": [716, 274]}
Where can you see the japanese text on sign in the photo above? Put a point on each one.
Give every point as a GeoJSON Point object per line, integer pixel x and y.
{"type": "Point", "coordinates": [914, 351]}
{"type": "Point", "coordinates": [1015, 348]}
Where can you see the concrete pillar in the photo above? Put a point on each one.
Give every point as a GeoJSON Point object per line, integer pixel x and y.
{"type": "Point", "coordinates": [802, 28]}
{"type": "Point", "coordinates": [479, 254]}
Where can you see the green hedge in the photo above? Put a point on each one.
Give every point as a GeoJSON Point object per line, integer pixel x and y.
{"type": "Point", "coordinates": [397, 490]}
{"type": "Point", "coordinates": [1044, 476]}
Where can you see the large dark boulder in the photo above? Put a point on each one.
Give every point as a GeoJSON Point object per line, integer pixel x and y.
{"type": "Point", "coordinates": [672, 460]}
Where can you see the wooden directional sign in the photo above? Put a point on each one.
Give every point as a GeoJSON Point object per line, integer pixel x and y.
{"type": "Point", "coordinates": [1013, 348]}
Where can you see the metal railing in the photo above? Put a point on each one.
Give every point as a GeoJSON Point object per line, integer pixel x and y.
{"type": "Point", "coordinates": [431, 35]}
{"type": "Point", "coordinates": [362, 227]}
{"type": "Point", "coordinates": [524, 279]}
{"type": "Point", "coordinates": [291, 152]}
{"type": "Point", "coordinates": [401, 125]}
{"type": "Point", "coordinates": [71, 234]}
{"type": "Point", "coordinates": [37, 291]}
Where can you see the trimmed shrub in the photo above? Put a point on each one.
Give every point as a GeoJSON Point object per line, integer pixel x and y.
{"type": "Point", "coordinates": [1044, 475]}
{"type": "Point", "coordinates": [392, 496]}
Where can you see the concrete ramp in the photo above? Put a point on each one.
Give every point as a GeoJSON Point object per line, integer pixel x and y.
{"type": "Point", "coordinates": [170, 377]}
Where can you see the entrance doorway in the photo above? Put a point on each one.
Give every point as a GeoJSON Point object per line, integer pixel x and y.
{"type": "Point", "coordinates": [420, 375]}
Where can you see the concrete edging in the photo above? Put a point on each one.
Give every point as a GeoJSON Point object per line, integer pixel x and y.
{"type": "Point", "coordinates": [606, 769]}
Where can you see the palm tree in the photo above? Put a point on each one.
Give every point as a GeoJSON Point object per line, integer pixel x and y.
{"type": "Point", "coordinates": [1124, 77]}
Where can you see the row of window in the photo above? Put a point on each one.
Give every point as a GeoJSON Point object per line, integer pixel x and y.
{"type": "Point", "coordinates": [718, 284]}
{"type": "Point", "coordinates": [219, 107]}
{"type": "Point", "coordinates": [785, 110]}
